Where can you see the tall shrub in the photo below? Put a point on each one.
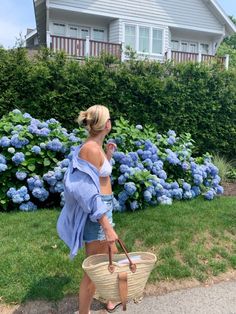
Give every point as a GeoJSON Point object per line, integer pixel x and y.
{"type": "Point", "coordinates": [194, 98]}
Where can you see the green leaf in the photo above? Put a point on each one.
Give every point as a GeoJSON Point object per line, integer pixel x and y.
{"type": "Point", "coordinates": [46, 162]}
{"type": "Point", "coordinates": [31, 167]}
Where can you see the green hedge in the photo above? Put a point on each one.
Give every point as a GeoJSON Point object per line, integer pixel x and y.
{"type": "Point", "coordinates": [193, 98]}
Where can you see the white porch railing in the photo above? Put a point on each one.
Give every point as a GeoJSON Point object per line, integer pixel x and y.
{"type": "Point", "coordinates": [81, 48]}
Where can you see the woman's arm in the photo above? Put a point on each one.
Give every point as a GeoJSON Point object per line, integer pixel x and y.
{"type": "Point", "coordinates": [110, 233]}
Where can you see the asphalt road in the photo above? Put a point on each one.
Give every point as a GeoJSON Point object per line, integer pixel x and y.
{"type": "Point", "coordinates": [215, 299]}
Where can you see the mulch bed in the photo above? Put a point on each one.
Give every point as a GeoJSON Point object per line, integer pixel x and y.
{"type": "Point", "coordinates": [229, 188]}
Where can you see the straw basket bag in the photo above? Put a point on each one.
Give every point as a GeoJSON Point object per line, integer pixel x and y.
{"type": "Point", "coordinates": [119, 277]}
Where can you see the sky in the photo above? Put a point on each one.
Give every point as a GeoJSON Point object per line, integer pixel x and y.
{"type": "Point", "coordinates": [18, 15]}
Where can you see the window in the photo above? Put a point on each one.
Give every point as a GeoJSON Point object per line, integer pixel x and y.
{"type": "Point", "coordinates": [175, 45]}
{"type": "Point", "coordinates": [59, 29]}
{"type": "Point", "coordinates": [193, 47]}
{"type": "Point", "coordinates": [98, 34]}
{"type": "Point", "coordinates": [73, 31]}
{"type": "Point", "coordinates": [184, 46]}
{"type": "Point", "coordinates": [156, 40]}
{"type": "Point", "coordinates": [144, 39]}
{"type": "Point", "coordinates": [84, 32]}
{"type": "Point", "coordinates": [204, 48]}
{"type": "Point", "coordinates": [130, 36]}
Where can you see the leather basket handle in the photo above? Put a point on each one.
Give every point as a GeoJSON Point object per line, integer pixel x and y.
{"type": "Point", "coordinates": [111, 267]}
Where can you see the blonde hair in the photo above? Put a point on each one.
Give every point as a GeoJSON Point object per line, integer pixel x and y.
{"type": "Point", "coordinates": [94, 118]}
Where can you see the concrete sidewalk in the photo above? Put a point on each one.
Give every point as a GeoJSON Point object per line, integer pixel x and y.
{"type": "Point", "coordinates": [219, 298]}
{"type": "Point", "coordinates": [215, 299]}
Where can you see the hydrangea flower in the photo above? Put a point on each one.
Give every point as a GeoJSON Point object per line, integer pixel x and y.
{"type": "Point", "coordinates": [5, 141]}
{"type": "Point", "coordinates": [209, 195]}
{"type": "Point", "coordinates": [2, 159]}
{"type": "Point", "coordinates": [18, 196]}
{"type": "Point", "coordinates": [21, 175]}
{"type": "Point", "coordinates": [40, 193]}
{"type": "Point", "coordinates": [29, 206]}
{"type": "Point", "coordinates": [18, 158]}
{"type": "Point", "coordinates": [164, 200]}
{"type": "Point", "coordinates": [3, 167]}
{"type": "Point", "coordinates": [130, 188]}
{"type": "Point", "coordinates": [11, 150]}
{"type": "Point", "coordinates": [134, 205]}
{"type": "Point", "coordinates": [36, 149]}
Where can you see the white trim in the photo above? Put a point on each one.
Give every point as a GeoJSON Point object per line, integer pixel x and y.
{"type": "Point", "coordinates": [151, 27]}
{"type": "Point", "coordinates": [216, 5]}
{"type": "Point", "coordinates": [31, 34]}
{"type": "Point", "coordinates": [79, 10]}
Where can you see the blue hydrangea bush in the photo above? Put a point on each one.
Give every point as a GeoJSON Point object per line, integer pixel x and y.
{"type": "Point", "coordinates": [148, 168]}
{"type": "Point", "coordinates": [33, 160]}
{"type": "Point", "coordinates": [157, 168]}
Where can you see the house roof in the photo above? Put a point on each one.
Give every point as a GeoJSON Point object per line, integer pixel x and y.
{"type": "Point", "coordinates": [30, 33]}
{"type": "Point", "coordinates": [230, 27]}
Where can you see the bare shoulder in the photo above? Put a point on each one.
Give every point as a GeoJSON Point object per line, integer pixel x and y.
{"type": "Point", "coordinates": [92, 153]}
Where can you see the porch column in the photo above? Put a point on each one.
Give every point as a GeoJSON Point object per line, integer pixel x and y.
{"type": "Point", "coordinates": [168, 56]}
{"type": "Point", "coordinates": [199, 57]}
{"type": "Point", "coordinates": [227, 62]}
{"type": "Point", "coordinates": [87, 47]}
{"type": "Point", "coordinates": [122, 51]}
{"type": "Point", "coordinates": [48, 39]}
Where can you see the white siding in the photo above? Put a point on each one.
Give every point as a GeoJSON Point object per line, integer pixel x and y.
{"type": "Point", "coordinates": [115, 31]}
{"type": "Point", "coordinates": [182, 13]}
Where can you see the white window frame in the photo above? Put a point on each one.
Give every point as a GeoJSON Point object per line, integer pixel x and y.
{"type": "Point", "coordinates": [151, 27]}
{"type": "Point", "coordinates": [176, 41]}
{"type": "Point", "coordinates": [162, 41]}
{"type": "Point", "coordinates": [184, 42]}
{"type": "Point", "coordinates": [56, 23]}
{"type": "Point", "coordinates": [100, 29]}
{"type": "Point", "coordinates": [84, 27]}
{"type": "Point", "coordinates": [189, 42]}
{"type": "Point", "coordinates": [149, 37]}
{"type": "Point", "coordinates": [200, 47]}
{"type": "Point", "coordinates": [194, 43]}
{"type": "Point", "coordinates": [135, 28]}
{"type": "Point", "coordinates": [79, 26]}
{"type": "Point", "coordinates": [68, 30]}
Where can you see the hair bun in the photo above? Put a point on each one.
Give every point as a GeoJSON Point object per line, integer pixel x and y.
{"type": "Point", "coordinates": [84, 121]}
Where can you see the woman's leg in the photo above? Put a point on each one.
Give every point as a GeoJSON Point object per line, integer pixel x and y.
{"type": "Point", "coordinates": [86, 292]}
{"type": "Point", "coordinates": [87, 288]}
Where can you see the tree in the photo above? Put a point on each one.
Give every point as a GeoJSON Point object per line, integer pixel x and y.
{"type": "Point", "coordinates": [228, 46]}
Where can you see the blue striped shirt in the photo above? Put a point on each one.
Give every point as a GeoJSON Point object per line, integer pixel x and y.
{"type": "Point", "coordinates": [82, 200]}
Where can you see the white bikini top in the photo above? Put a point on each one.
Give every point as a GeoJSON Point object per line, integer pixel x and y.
{"type": "Point", "coordinates": [105, 170]}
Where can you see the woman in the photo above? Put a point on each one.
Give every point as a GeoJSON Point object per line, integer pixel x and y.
{"type": "Point", "coordinates": [87, 214]}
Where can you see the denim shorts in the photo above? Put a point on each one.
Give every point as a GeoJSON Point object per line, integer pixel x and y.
{"type": "Point", "coordinates": [93, 231]}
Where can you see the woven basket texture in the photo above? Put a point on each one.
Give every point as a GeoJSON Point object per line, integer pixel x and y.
{"type": "Point", "coordinates": [96, 266]}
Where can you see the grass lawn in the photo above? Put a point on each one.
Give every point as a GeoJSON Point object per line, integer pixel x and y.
{"type": "Point", "coordinates": [192, 239]}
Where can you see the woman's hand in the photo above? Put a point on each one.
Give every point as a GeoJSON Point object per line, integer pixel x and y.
{"type": "Point", "coordinates": [110, 149]}
{"type": "Point", "coordinates": [111, 235]}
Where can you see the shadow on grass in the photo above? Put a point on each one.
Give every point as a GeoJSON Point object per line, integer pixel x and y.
{"type": "Point", "coordinates": [46, 297]}
{"type": "Point", "coordinates": [48, 288]}
{"type": "Point", "coordinates": [39, 295]}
